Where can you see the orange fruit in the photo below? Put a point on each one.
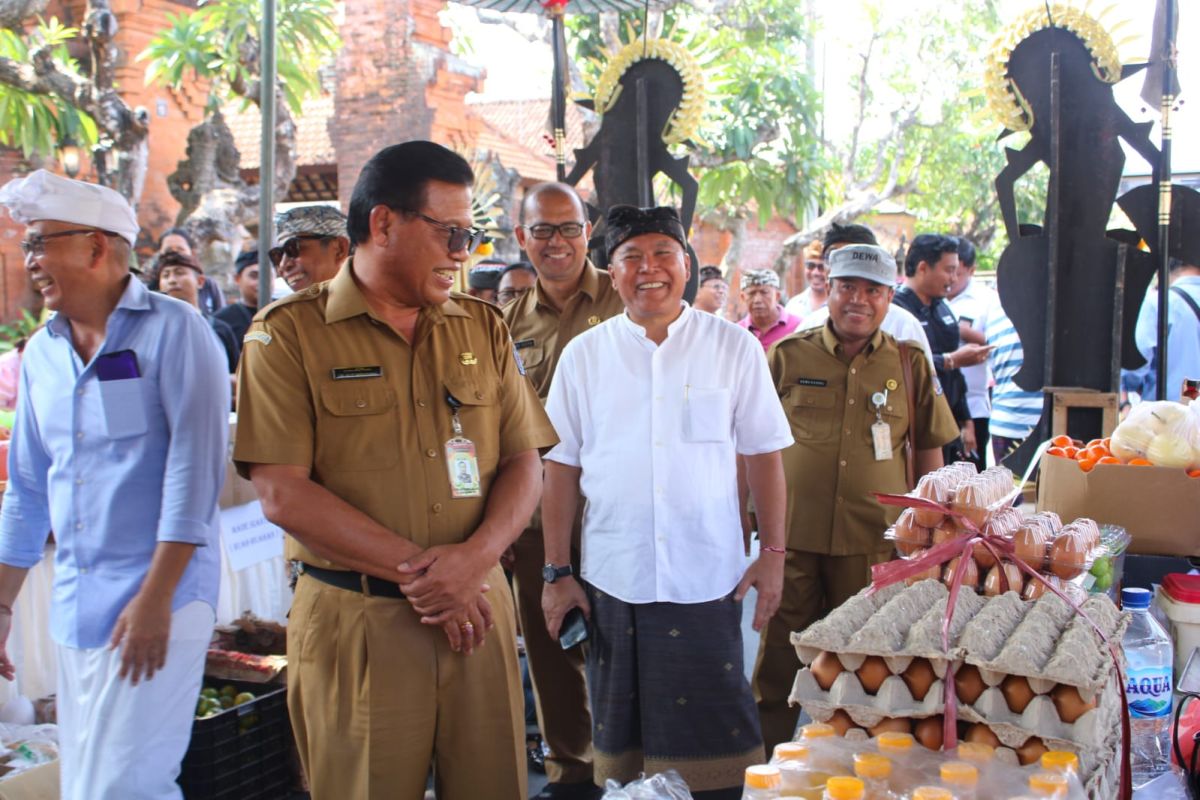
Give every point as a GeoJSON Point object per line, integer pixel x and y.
{"type": "Point", "coordinates": [1070, 452]}
{"type": "Point", "coordinates": [1094, 442]}
{"type": "Point", "coordinates": [1087, 464]}
{"type": "Point", "coordinates": [1194, 473]}
{"type": "Point", "coordinates": [1139, 462]}
{"type": "Point", "coordinates": [1057, 451]}
{"type": "Point", "coordinates": [1108, 460]}
{"type": "Point", "coordinates": [1062, 441]}
{"type": "Point", "coordinates": [1098, 451]}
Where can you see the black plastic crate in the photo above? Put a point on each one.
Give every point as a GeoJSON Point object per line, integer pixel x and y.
{"type": "Point", "coordinates": [242, 753]}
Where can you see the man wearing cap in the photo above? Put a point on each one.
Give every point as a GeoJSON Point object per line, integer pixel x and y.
{"type": "Point", "coordinates": [181, 276]}
{"type": "Point", "coordinates": [765, 317]}
{"type": "Point", "coordinates": [571, 296]}
{"type": "Point", "coordinates": [816, 291]}
{"type": "Point", "coordinates": [387, 427]}
{"type": "Point", "coordinates": [119, 448]}
{"type": "Point", "coordinates": [238, 315]}
{"type": "Point", "coordinates": [484, 279]}
{"type": "Point", "coordinates": [515, 280]}
{"type": "Point", "coordinates": [845, 388]}
{"type": "Point", "coordinates": [653, 407]}
{"type": "Point", "coordinates": [312, 245]}
{"type": "Point", "coordinates": [712, 292]}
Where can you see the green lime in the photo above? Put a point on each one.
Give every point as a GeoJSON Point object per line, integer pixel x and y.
{"type": "Point", "coordinates": [1102, 582]}
{"type": "Point", "coordinates": [229, 690]}
{"type": "Point", "coordinates": [226, 701]}
{"type": "Point", "coordinates": [244, 697]}
{"type": "Point", "coordinates": [209, 691]}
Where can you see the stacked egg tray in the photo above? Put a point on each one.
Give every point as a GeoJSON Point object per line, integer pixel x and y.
{"type": "Point", "coordinates": [1030, 675]}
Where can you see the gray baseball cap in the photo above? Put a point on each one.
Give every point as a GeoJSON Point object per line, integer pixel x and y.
{"type": "Point", "coordinates": [865, 261]}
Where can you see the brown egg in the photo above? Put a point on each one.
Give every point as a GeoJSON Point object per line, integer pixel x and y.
{"type": "Point", "coordinates": [982, 733]}
{"type": "Point", "coordinates": [933, 487]}
{"type": "Point", "coordinates": [1031, 751]}
{"type": "Point", "coordinates": [1017, 693]}
{"type": "Point", "coordinates": [1030, 545]}
{"type": "Point", "coordinates": [931, 574]}
{"type": "Point", "coordinates": [873, 672]}
{"type": "Point", "coordinates": [841, 722]}
{"type": "Point", "coordinates": [919, 677]}
{"type": "Point", "coordinates": [1035, 588]}
{"type": "Point", "coordinates": [908, 535]}
{"type": "Point", "coordinates": [991, 584]}
{"type": "Point", "coordinates": [944, 532]}
{"type": "Point", "coordinates": [928, 732]}
{"type": "Point", "coordinates": [825, 668]}
{"type": "Point", "coordinates": [1068, 555]}
{"type": "Point", "coordinates": [968, 683]}
{"type": "Point", "coordinates": [970, 574]}
{"type": "Point", "coordinates": [1071, 706]}
{"type": "Point", "coordinates": [891, 724]}
{"type": "Point", "coordinates": [983, 556]}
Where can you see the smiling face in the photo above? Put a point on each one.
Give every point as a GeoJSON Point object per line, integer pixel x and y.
{"type": "Point", "coordinates": [418, 268]}
{"type": "Point", "coordinates": [64, 273]}
{"type": "Point", "coordinates": [317, 260]}
{"type": "Point", "coordinates": [857, 307]}
{"type": "Point", "coordinates": [559, 258]}
{"type": "Point", "coordinates": [936, 280]}
{"type": "Point", "coordinates": [650, 272]}
{"type": "Point", "coordinates": [815, 274]}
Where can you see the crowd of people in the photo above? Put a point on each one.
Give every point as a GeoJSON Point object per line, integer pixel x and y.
{"type": "Point", "coordinates": [633, 463]}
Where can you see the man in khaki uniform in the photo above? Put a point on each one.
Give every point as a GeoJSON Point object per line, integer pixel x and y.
{"type": "Point", "coordinates": [388, 429]}
{"type": "Point", "coordinates": [570, 297]}
{"type": "Point", "coordinates": [836, 383]}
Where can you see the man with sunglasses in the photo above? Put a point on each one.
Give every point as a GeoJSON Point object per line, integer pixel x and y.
{"type": "Point", "coordinates": [816, 291]}
{"type": "Point", "coordinates": [569, 297]}
{"type": "Point", "coordinates": [388, 428]}
{"type": "Point", "coordinates": [119, 448]}
{"type": "Point", "coordinates": [312, 245]}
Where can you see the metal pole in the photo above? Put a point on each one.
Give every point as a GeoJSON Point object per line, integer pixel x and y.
{"type": "Point", "coordinates": [1164, 204]}
{"type": "Point", "coordinates": [558, 94]}
{"type": "Point", "coordinates": [266, 161]}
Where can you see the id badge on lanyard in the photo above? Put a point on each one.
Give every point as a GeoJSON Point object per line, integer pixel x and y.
{"type": "Point", "coordinates": [881, 432]}
{"type": "Point", "coordinates": [461, 464]}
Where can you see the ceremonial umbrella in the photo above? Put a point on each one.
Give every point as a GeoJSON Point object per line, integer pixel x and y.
{"type": "Point", "coordinates": [556, 10]}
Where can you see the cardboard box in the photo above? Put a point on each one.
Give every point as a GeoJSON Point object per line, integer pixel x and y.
{"type": "Point", "coordinates": [37, 783]}
{"type": "Point", "coordinates": [1160, 507]}
{"type": "Point", "coordinates": [237, 491]}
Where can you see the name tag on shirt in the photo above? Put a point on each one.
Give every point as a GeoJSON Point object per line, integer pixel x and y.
{"type": "Point", "coordinates": [353, 373]}
{"type": "Point", "coordinates": [811, 382]}
{"type": "Point", "coordinates": [523, 343]}
{"type": "Point", "coordinates": [948, 320]}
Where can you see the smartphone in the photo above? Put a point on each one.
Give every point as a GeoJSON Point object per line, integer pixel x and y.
{"type": "Point", "coordinates": [574, 629]}
{"type": "Point", "coordinates": [118, 366]}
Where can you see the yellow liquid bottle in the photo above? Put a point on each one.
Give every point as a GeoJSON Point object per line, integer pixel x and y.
{"type": "Point", "coordinates": [875, 771]}
{"type": "Point", "coordinates": [961, 778]}
{"type": "Point", "coordinates": [932, 793]}
{"type": "Point", "coordinates": [1049, 784]}
{"type": "Point", "coordinates": [762, 782]}
{"type": "Point", "coordinates": [801, 778]}
{"type": "Point", "coordinates": [1061, 761]}
{"type": "Point", "coordinates": [843, 787]}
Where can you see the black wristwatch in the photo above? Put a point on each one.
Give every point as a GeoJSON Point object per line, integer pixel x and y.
{"type": "Point", "coordinates": [551, 573]}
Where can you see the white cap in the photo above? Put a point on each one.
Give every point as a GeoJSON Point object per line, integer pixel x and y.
{"type": "Point", "coordinates": [862, 261]}
{"type": "Point", "coordinates": [44, 195]}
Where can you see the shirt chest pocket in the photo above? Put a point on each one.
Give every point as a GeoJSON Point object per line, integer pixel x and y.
{"type": "Point", "coordinates": [811, 412]}
{"type": "Point", "coordinates": [894, 416]}
{"type": "Point", "coordinates": [707, 414]}
{"type": "Point", "coordinates": [479, 414]}
{"type": "Point", "coordinates": [532, 356]}
{"type": "Point", "coordinates": [357, 427]}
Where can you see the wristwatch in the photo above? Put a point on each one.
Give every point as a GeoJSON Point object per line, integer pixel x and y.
{"type": "Point", "coordinates": [551, 573]}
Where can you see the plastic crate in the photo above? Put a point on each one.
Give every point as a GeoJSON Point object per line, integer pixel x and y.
{"type": "Point", "coordinates": [242, 753]}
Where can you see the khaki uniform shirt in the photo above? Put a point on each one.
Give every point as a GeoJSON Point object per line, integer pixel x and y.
{"type": "Point", "coordinates": [831, 469]}
{"type": "Point", "coordinates": [540, 332]}
{"type": "Point", "coordinates": [326, 385]}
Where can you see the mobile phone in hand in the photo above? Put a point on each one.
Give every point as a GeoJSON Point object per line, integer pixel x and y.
{"type": "Point", "coordinates": [574, 630]}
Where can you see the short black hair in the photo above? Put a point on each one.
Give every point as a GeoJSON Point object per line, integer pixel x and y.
{"type": "Point", "coordinates": [397, 177]}
{"type": "Point", "coordinates": [519, 265]}
{"type": "Point", "coordinates": [709, 272]}
{"type": "Point", "coordinates": [851, 233]}
{"type": "Point", "coordinates": [187, 237]}
{"type": "Point", "coordinates": [928, 247]}
{"type": "Point", "coordinates": [966, 252]}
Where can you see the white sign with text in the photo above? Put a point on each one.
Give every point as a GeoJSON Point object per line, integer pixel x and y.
{"type": "Point", "coordinates": [249, 537]}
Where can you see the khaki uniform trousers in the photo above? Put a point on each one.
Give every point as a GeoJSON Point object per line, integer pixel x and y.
{"type": "Point", "coordinates": [558, 676]}
{"type": "Point", "coordinates": [813, 585]}
{"type": "Point", "coordinates": [376, 697]}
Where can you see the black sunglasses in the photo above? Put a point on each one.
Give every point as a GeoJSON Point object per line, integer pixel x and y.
{"type": "Point", "coordinates": [544, 230]}
{"type": "Point", "coordinates": [460, 238]}
{"type": "Point", "coordinates": [291, 248]}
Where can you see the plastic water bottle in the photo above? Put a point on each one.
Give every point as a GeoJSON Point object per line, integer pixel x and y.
{"type": "Point", "coordinates": [1149, 658]}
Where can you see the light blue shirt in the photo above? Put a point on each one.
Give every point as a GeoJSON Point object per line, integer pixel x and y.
{"type": "Point", "coordinates": [114, 467]}
{"type": "Point", "coordinates": [1183, 339]}
{"type": "Point", "coordinates": [1015, 411]}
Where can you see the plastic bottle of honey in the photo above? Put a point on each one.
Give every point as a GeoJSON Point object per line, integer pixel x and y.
{"type": "Point", "coordinates": [895, 745]}
{"type": "Point", "coordinates": [932, 793]}
{"type": "Point", "coordinates": [1061, 761]}
{"type": "Point", "coordinates": [978, 753]}
{"type": "Point", "coordinates": [801, 778]}
{"type": "Point", "coordinates": [817, 730]}
{"type": "Point", "coordinates": [763, 782]}
{"type": "Point", "coordinates": [875, 771]}
{"type": "Point", "coordinates": [961, 778]}
{"type": "Point", "coordinates": [1049, 784]}
{"type": "Point", "coordinates": [844, 788]}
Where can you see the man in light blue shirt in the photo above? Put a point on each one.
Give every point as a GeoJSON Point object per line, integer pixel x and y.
{"type": "Point", "coordinates": [1183, 334]}
{"type": "Point", "coordinates": [119, 448]}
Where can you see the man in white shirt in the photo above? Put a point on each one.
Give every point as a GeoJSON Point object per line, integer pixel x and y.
{"type": "Point", "coordinates": [970, 301]}
{"type": "Point", "coordinates": [653, 407]}
{"type": "Point", "coordinates": [816, 281]}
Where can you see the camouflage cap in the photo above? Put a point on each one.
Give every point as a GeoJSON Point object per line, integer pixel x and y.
{"type": "Point", "coordinates": [760, 277]}
{"type": "Point", "coordinates": [310, 221]}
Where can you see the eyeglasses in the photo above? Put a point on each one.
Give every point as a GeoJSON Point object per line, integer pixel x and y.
{"type": "Point", "coordinates": [291, 248]}
{"type": "Point", "coordinates": [460, 238]}
{"type": "Point", "coordinates": [815, 265]}
{"type": "Point", "coordinates": [544, 230]}
{"type": "Point", "coordinates": [505, 296]}
{"type": "Point", "coordinates": [35, 244]}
